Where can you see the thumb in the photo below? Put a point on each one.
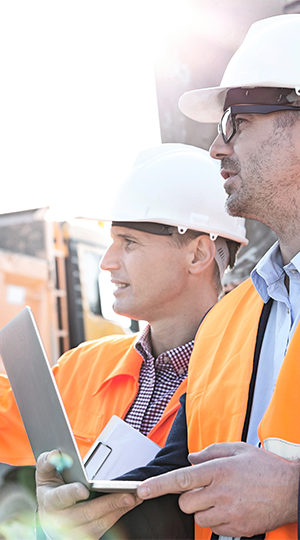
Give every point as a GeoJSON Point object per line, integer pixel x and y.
{"type": "Point", "coordinates": [47, 469]}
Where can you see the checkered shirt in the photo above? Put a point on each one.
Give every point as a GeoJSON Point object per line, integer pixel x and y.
{"type": "Point", "coordinates": [159, 378]}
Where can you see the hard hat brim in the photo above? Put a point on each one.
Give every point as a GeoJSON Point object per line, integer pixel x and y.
{"type": "Point", "coordinates": [203, 105]}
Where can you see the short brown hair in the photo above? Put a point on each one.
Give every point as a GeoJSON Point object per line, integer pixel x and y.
{"type": "Point", "coordinates": [182, 239]}
{"type": "Point", "coordinates": [189, 235]}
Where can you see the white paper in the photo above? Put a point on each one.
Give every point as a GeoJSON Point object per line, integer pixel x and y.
{"type": "Point", "coordinates": [118, 449]}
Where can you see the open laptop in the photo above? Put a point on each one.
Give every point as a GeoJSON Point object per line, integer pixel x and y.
{"type": "Point", "coordinates": [40, 403]}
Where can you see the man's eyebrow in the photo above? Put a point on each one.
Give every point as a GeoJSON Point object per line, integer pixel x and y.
{"type": "Point", "coordinates": [125, 235]}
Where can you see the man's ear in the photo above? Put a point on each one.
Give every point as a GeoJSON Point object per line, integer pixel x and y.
{"type": "Point", "coordinates": [202, 253]}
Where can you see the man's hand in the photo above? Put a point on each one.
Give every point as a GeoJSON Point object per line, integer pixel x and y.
{"type": "Point", "coordinates": [234, 488]}
{"type": "Point", "coordinates": [64, 512]}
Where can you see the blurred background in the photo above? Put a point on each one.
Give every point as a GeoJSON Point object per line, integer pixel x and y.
{"type": "Point", "coordinates": [85, 87]}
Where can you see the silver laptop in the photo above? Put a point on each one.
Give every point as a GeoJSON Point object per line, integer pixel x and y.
{"type": "Point", "coordinates": [39, 401]}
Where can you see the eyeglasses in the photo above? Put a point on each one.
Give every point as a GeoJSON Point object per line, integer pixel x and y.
{"type": "Point", "coordinates": [227, 126]}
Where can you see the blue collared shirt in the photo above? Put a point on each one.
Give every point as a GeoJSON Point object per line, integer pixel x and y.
{"type": "Point", "coordinates": [268, 279]}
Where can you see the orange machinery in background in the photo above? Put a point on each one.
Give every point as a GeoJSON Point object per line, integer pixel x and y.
{"type": "Point", "coordinates": [54, 268]}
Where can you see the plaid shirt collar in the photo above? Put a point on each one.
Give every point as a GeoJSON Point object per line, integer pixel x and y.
{"type": "Point", "coordinates": [179, 356]}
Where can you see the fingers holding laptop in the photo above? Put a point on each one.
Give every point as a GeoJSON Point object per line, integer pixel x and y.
{"type": "Point", "coordinates": [64, 510]}
{"type": "Point", "coordinates": [52, 492]}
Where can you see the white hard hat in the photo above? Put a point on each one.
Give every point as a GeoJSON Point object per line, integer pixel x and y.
{"type": "Point", "coordinates": [268, 57]}
{"type": "Point", "coordinates": [177, 185]}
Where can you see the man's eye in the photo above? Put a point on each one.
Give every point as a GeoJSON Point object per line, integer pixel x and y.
{"type": "Point", "coordinates": [128, 242]}
{"type": "Point", "coordinates": [239, 121]}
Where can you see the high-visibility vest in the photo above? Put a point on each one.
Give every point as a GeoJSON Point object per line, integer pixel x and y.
{"type": "Point", "coordinates": [218, 385]}
{"type": "Point", "coordinates": [96, 380]}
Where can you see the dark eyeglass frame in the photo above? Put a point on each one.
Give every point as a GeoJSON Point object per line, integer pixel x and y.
{"type": "Point", "coordinates": [232, 111]}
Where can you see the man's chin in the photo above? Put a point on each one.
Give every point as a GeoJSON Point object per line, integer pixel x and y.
{"type": "Point", "coordinates": [233, 207]}
{"type": "Point", "coordinates": [119, 310]}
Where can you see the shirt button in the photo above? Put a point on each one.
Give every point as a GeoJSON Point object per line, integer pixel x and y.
{"type": "Point", "coordinates": [288, 311]}
{"type": "Point", "coordinates": [164, 358]}
{"type": "Point", "coordinates": [181, 371]}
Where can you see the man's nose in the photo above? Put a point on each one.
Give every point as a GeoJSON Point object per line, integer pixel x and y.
{"type": "Point", "coordinates": [110, 260]}
{"type": "Point", "coordinates": [219, 149]}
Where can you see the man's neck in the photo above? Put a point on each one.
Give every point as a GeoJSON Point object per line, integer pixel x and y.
{"type": "Point", "coordinates": [173, 332]}
{"type": "Point", "coordinates": [289, 248]}
{"type": "Point", "coordinates": [288, 232]}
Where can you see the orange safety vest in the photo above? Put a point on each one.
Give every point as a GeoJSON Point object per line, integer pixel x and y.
{"type": "Point", "coordinates": [222, 359]}
{"type": "Point", "coordinates": [96, 380]}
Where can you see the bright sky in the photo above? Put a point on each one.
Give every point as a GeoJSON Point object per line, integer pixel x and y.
{"type": "Point", "coordinates": [78, 100]}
